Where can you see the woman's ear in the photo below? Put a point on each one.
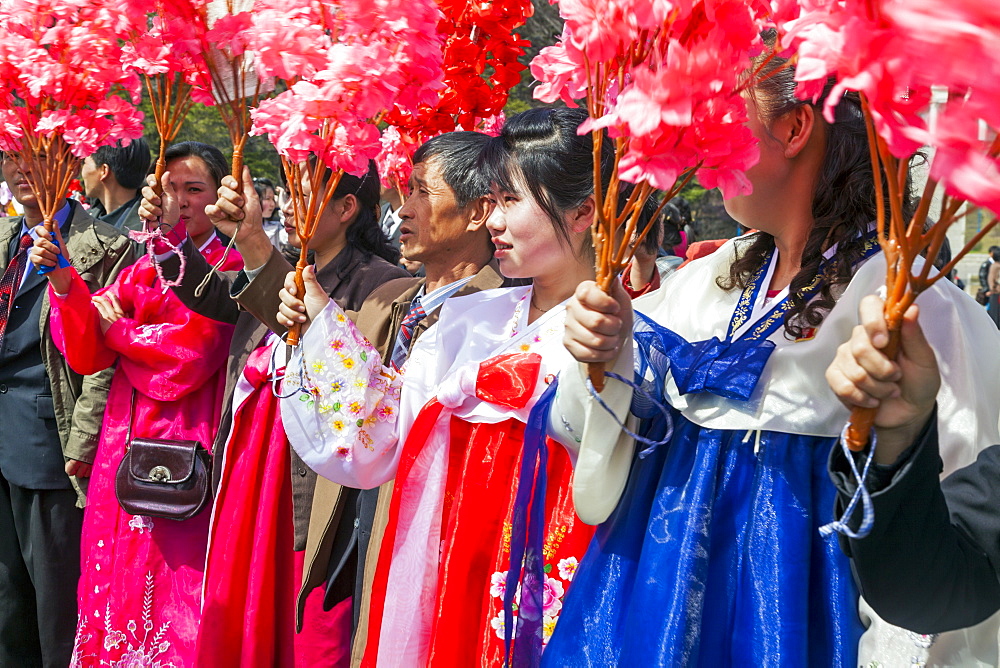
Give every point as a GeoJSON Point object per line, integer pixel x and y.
{"type": "Point", "coordinates": [582, 217]}
{"type": "Point", "coordinates": [795, 129]}
{"type": "Point", "coordinates": [349, 207]}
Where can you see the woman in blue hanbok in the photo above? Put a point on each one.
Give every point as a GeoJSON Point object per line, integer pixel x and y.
{"type": "Point", "coordinates": [709, 551]}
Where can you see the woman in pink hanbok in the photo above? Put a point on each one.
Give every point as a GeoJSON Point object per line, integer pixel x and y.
{"type": "Point", "coordinates": [140, 590]}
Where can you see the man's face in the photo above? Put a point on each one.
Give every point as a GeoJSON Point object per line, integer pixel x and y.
{"type": "Point", "coordinates": [90, 175]}
{"type": "Point", "coordinates": [14, 169]}
{"type": "Point", "coordinates": [433, 223]}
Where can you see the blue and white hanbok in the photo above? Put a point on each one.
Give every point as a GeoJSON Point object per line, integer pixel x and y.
{"type": "Point", "coordinates": [708, 551]}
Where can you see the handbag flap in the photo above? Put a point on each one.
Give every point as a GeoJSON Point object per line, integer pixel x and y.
{"type": "Point", "coordinates": [162, 461]}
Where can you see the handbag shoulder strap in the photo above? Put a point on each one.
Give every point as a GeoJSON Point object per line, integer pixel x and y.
{"type": "Point", "coordinates": [131, 418]}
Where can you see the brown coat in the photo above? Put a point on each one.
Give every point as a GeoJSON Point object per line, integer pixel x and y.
{"type": "Point", "coordinates": [348, 279]}
{"type": "Point", "coordinates": [379, 320]}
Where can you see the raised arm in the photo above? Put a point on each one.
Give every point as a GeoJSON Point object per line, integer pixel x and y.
{"type": "Point", "coordinates": [342, 405]}
{"type": "Point", "coordinates": [79, 321]}
{"type": "Point", "coordinates": [929, 563]}
{"type": "Point", "coordinates": [214, 301]}
{"type": "Point", "coordinates": [598, 329]}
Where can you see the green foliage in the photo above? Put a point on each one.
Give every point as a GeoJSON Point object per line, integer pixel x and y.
{"type": "Point", "coordinates": [541, 29]}
{"type": "Point", "coordinates": [204, 124]}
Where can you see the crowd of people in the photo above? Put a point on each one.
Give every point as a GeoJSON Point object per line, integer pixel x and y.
{"type": "Point", "coordinates": [429, 478]}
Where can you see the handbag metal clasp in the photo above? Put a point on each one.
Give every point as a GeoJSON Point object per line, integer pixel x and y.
{"type": "Point", "coordinates": [160, 474]}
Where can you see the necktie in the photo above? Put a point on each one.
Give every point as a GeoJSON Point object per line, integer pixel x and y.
{"type": "Point", "coordinates": [402, 348]}
{"type": "Point", "coordinates": [11, 281]}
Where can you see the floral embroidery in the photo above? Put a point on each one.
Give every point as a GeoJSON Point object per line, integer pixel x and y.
{"type": "Point", "coordinates": [553, 592]}
{"type": "Point", "coordinates": [553, 540]}
{"type": "Point", "coordinates": [141, 523]}
{"type": "Point", "coordinates": [499, 626]}
{"type": "Point", "coordinates": [498, 584]}
{"type": "Point", "coordinates": [366, 440]}
{"type": "Point", "coordinates": [924, 641]}
{"type": "Point", "coordinates": [337, 385]}
{"type": "Point", "coordinates": [355, 407]}
{"type": "Point", "coordinates": [515, 321]}
{"type": "Point", "coordinates": [78, 644]}
{"type": "Point", "coordinates": [337, 344]}
{"type": "Point", "coordinates": [348, 363]}
{"type": "Point", "coordinates": [149, 334]}
{"type": "Point", "coordinates": [548, 626]}
{"type": "Point", "coordinates": [567, 568]}
{"type": "Point", "coordinates": [140, 647]}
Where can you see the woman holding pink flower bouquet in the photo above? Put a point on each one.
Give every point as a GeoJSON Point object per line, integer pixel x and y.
{"type": "Point", "coordinates": [709, 551]}
{"type": "Point", "coordinates": [460, 427]}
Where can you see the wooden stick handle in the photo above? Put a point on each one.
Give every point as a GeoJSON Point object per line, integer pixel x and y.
{"type": "Point", "coordinates": [237, 162]}
{"type": "Point", "coordinates": [161, 167]}
{"type": "Point", "coordinates": [862, 419]}
{"type": "Point", "coordinates": [300, 291]}
{"type": "Point", "coordinates": [596, 372]}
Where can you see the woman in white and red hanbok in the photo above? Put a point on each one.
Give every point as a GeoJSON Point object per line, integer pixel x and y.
{"type": "Point", "coordinates": [455, 424]}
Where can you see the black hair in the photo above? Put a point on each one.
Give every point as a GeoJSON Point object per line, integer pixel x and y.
{"type": "Point", "coordinates": [673, 224]}
{"type": "Point", "coordinates": [944, 254]}
{"type": "Point", "coordinates": [457, 153]}
{"type": "Point", "coordinates": [365, 233]}
{"type": "Point", "coordinates": [683, 210]}
{"type": "Point", "coordinates": [260, 185]}
{"type": "Point", "coordinates": [129, 164]}
{"type": "Point", "coordinates": [541, 149]}
{"type": "Point", "coordinates": [654, 238]}
{"type": "Point", "coordinates": [843, 205]}
{"type": "Point", "coordinates": [216, 163]}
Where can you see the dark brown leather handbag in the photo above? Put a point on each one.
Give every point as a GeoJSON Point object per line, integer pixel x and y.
{"type": "Point", "coordinates": [163, 478]}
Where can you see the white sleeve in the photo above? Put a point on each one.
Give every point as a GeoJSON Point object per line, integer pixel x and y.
{"type": "Point", "coordinates": [601, 451]}
{"type": "Point", "coordinates": [343, 422]}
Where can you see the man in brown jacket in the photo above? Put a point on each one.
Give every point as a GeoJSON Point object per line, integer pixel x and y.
{"type": "Point", "coordinates": [51, 423]}
{"type": "Point", "coordinates": [444, 227]}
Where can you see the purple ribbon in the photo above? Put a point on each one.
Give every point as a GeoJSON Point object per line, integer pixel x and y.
{"type": "Point", "coordinates": [526, 542]}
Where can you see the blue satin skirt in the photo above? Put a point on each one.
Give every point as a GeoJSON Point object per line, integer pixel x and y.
{"type": "Point", "coordinates": [713, 558]}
